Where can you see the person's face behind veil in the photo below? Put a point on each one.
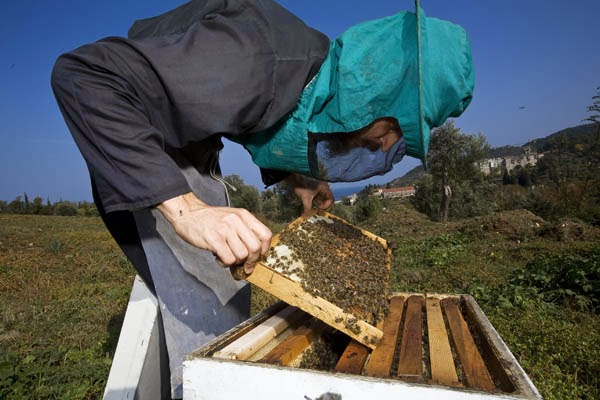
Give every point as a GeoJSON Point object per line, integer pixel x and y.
{"type": "Point", "coordinates": [381, 135]}
{"type": "Point", "coordinates": [356, 155]}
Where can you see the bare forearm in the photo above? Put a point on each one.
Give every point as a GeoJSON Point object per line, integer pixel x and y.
{"type": "Point", "coordinates": [180, 206]}
{"type": "Point", "coordinates": [233, 234]}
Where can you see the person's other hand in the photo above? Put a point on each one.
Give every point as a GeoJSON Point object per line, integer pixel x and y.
{"type": "Point", "coordinates": [234, 235]}
{"type": "Point", "coordinates": [311, 192]}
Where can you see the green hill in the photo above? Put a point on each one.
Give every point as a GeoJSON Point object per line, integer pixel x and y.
{"type": "Point", "coordinates": [569, 138]}
{"type": "Point", "coordinates": [582, 134]}
{"type": "Point", "coordinates": [407, 179]}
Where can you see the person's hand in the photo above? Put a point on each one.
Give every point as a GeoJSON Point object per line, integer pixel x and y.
{"type": "Point", "coordinates": [234, 235]}
{"type": "Point", "coordinates": [311, 192]}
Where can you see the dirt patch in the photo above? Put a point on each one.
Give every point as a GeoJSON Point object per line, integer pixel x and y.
{"type": "Point", "coordinates": [513, 225]}
{"type": "Point", "coordinates": [570, 230]}
{"type": "Point", "coordinates": [400, 220]}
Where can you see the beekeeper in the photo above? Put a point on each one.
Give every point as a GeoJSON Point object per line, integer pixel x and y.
{"type": "Point", "coordinates": [148, 113]}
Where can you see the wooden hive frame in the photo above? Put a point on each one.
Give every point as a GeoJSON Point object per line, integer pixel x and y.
{"type": "Point", "coordinates": [441, 342]}
{"type": "Point", "coordinates": [292, 292]}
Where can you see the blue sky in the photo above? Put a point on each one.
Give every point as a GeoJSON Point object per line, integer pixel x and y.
{"type": "Point", "coordinates": [540, 55]}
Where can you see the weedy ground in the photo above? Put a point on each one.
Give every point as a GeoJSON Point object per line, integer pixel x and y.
{"type": "Point", "coordinates": [538, 282]}
{"type": "Point", "coordinates": [64, 286]}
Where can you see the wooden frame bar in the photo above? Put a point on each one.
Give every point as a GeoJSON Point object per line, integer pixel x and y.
{"type": "Point", "coordinates": [410, 362]}
{"type": "Point", "coordinates": [473, 367]}
{"type": "Point", "coordinates": [245, 346]}
{"type": "Point", "coordinates": [353, 359]}
{"type": "Point", "coordinates": [289, 349]}
{"type": "Point", "coordinates": [380, 362]}
{"type": "Point", "coordinates": [443, 370]}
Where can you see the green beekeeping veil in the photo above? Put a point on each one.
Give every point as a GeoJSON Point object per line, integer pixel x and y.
{"type": "Point", "coordinates": [407, 66]}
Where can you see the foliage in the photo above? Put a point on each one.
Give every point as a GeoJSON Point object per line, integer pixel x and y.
{"type": "Point", "coordinates": [342, 211]}
{"type": "Point", "coordinates": [438, 251]}
{"type": "Point", "coordinates": [60, 372]}
{"type": "Point", "coordinates": [572, 279]}
{"type": "Point", "coordinates": [470, 198]}
{"type": "Point", "coordinates": [427, 196]}
{"type": "Point", "coordinates": [22, 205]}
{"type": "Point", "coordinates": [65, 208]}
{"type": "Point", "coordinates": [522, 176]}
{"type": "Point", "coordinates": [568, 280]}
{"type": "Point", "coordinates": [280, 204]}
{"type": "Point", "coordinates": [558, 348]}
{"type": "Point", "coordinates": [455, 187]}
{"type": "Point", "coordinates": [543, 314]}
{"type": "Point", "coordinates": [242, 195]}
{"type": "Point", "coordinates": [366, 207]}
{"type": "Point", "coordinates": [64, 285]}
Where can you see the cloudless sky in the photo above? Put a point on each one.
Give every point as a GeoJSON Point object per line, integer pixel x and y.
{"type": "Point", "coordinates": [537, 67]}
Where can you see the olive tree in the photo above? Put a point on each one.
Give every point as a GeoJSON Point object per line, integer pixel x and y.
{"type": "Point", "coordinates": [453, 174]}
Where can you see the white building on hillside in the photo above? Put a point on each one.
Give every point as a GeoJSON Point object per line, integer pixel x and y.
{"type": "Point", "coordinates": [395, 192]}
{"type": "Point", "coordinates": [509, 162]}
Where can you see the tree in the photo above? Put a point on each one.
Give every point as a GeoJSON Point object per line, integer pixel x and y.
{"type": "Point", "coordinates": [16, 206]}
{"type": "Point", "coordinates": [427, 197]}
{"type": "Point", "coordinates": [280, 204]}
{"type": "Point", "coordinates": [507, 179]}
{"type": "Point", "coordinates": [269, 204]}
{"type": "Point", "coordinates": [244, 196]}
{"type": "Point", "coordinates": [341, 211]}
{"type": "Point", "coordinates": [365, 208]}
{"type": "Point", "coordinates": [25, 204]}
{"type": "Point", "coordinates": [452, 160]}
{"type": "Point", "coordinates": [594, 154]}
{"type": "Point", "coordinates": [522, 176]}
{"type": "Point", "coordinates": [65, 208]}
{"type": "Point", "coordinates": [289, 205]}
{"type": "Point", "coordinates": [36, 205]}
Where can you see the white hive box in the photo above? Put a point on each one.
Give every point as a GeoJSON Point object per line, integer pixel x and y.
{"type": "Point", "coordinates": [433, 347]}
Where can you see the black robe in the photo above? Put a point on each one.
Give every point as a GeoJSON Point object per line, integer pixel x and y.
{"type": "Point", "coordinates": [185, 78]}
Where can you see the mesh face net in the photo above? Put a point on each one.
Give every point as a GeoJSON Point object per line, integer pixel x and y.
{"type": "Point", "coordinates": [352, 165]}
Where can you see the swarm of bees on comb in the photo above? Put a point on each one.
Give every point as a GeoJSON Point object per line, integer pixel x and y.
{"type": "Point", "coordinates": [338, 262]}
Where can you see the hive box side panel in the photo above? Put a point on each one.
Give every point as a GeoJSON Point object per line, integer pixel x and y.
{"type": "Point", "coordinates": [140, 366]}
{"type": "Point", "coordinates": [493, 344]}
{"type": "Point", "coordinates": [212, 379]}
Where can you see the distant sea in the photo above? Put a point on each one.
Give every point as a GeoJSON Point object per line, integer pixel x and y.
{"type": "Point", "coordinates": [339, 192]}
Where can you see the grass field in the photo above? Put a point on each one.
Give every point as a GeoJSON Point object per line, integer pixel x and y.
{"type": "Point", "coordinates": [64, 286]}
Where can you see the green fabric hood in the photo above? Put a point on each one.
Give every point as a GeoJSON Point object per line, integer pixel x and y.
{"type": "Point", "coordinates": [373, 70]}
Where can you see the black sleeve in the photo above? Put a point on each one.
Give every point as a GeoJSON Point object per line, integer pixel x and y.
{"type": "Point", "coordinates": [124, 152]}
{"type": "Point", "coordinates": [272, 176]}
{"type": "Point", "coordinates": [122, 227]}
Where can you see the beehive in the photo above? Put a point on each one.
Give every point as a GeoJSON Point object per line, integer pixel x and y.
{"type": "Point", "coordinates": [433, 346]}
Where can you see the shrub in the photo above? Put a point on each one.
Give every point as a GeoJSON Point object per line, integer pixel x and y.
{"type": "Point", "coordinates": [365, 208]}
{"type": "Point", "coordinates": [573, 280]}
